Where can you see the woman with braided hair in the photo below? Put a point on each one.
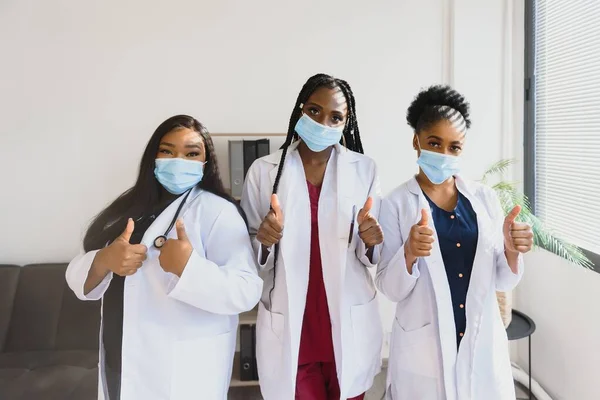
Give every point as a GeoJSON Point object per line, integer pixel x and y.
{"type": "Point", "coordinates": [449, 248]}
{"type": "Point", "coordinates": [319, 332]}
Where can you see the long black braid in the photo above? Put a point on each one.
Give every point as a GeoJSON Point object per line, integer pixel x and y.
{"type": "Point", "coordinates": [351, 134]}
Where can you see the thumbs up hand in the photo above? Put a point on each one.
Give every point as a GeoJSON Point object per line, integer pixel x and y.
{"type": "Point", "coordinates": [518, 236]}
{"type": "Point", "coordinates": [175, 253]}
{"type": "Point", "coordinates": [369, 229]}
{"type": "Point", "coordinates": [420, 241]}
{"type": "Point", "coordinates": [121, 257]}
{"type": "Point", "coordinates": [270, 231]}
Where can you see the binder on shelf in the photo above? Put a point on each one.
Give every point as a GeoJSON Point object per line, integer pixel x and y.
{"type": "Point", "coordinates": [249, 154]}
{"type": "Point", "coordinates": [248, 369]}
{"type": "Point", "coordinates": [263, 148]}
{"type": "Point", "coordinates": [242, 153]}
{"type": "Point", "coordinates": [236, 167]}
{"type": "Point", "coordinates": [254, 149]}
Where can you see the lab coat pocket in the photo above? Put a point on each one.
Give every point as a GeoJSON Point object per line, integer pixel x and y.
{"type": "Point", "coordinates": [417, 350]}
{"type": "Point", "coordinates": [202, 367]}
{"type": "Point", "coordinates": [269, 344]}
{"type": "Point", "coordinates": [368, 339]}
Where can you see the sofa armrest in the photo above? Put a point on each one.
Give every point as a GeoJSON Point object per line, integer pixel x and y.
{"type": "Point", "coordinates": [9, 278]}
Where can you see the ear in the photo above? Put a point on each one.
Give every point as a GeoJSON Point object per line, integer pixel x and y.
{"type": "Point", "coordinates": [415, 142]}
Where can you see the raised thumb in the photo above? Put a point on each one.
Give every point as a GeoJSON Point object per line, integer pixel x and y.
{"type": "Point", "coordinates": [181, 233]}
{"type": "Point", "coordinates": [424, 218]}
{"type": "Point", "coordinates": [365, 210]}
{"type": "Point", "coordinates": [512, 215]}
{"type": "Point", "coordinates": [276, 206]}
{"type": "Point", "coordinates": [126, 235]}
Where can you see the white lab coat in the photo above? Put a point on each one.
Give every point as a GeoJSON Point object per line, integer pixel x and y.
{"type": "Point", "coordinates": [424, 362]}
{"type": "Point", "coordinates": [179, 333]}
{"type": "Point", "coordinates": [350, 178]}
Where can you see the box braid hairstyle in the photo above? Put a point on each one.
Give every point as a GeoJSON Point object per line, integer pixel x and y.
{"type": "Point", "coordinates": [437, 103]}
{"type": "Point", "coordinates": [351, 134]}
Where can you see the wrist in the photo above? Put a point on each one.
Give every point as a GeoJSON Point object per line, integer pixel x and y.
{"type": "Point", "coordinates": [99, 265]}
{"type": "Point", "coordinates": [100, 261]}
{"type": "Point", "coordinates": [512, 257]}
{"type": "Point", "coordinates": [509, 251]}
{"type": "Point", "coordinates": [410, 260]}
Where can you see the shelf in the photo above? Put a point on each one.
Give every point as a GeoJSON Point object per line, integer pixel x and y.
{"type": "Point", "coordinates": [249, 317]}
{"type": "Point", "coordinates": [236, 198]}
{"type": "Point", "coordinates": [235, 375]}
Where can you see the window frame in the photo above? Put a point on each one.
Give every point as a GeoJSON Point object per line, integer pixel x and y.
{"type": "Point", "coordinates": [529, 119]}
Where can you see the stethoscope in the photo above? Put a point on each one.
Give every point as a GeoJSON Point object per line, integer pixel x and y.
{"type": "Point", "coordinates": [162, 239]}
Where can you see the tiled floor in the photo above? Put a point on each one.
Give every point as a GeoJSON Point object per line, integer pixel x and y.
{"type": "Point", "coordinates": [253, 393]}
{"type": "Point", "coordinates": [376, 392]}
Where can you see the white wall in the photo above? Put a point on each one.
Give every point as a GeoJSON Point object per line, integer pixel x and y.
{"type": "Point", "coordinates": [564, 302]}
{"type": "Point", "coordinates": [83, 85]}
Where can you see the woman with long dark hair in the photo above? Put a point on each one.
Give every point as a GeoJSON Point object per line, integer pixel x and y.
{"type": "Point", "coordinates": [173, 264]}
{"type": "Point", "coordinates": [319, 333]}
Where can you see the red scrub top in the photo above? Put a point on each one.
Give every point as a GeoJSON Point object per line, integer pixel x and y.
{"type": "Point", "coordinates": [316, 343]}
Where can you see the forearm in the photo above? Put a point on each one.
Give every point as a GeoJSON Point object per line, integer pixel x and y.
{"type": "Point", "coordinates": [96, 274]}
{"type": "Point", "coordinates": [395, 279]}
{"type": "Point", "coordinates": [220, 289]}
{"type": "Point", "coordinates": [512, 258]}
{"type": "Point", "coordinates": [410, 262]}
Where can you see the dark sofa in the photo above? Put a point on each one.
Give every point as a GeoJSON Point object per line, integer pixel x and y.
{"type": "Point", "coordinates": [48, 338]}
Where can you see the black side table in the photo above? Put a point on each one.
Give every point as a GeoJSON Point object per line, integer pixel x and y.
{"type": "Point", "coordinates": [521, 326]}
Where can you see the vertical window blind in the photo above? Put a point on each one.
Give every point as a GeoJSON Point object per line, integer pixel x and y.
{"type": "Point", "coordinates": [567, 118]}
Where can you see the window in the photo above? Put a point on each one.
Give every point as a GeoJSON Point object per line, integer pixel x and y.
{"type": "Point", "coordinates": [562, 118]}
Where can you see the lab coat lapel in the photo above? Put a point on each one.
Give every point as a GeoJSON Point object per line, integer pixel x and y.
{"type": "Point", "coordinates": [333, 248]}
{"type": "Point", "coordinates": [341, 188]}
{"type": "Point", "coordinates": [439, 281]}
{"type": "Point", "coordinates": [150, 275]}
{"type": "Point", "coordinates": [335, 235]}
{"type": "Point", "coordinates": [482, 272]}
{"type": "Point", "coordinates": [295, 245]}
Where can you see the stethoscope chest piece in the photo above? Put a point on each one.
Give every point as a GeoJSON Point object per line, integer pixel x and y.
{"type": "Point", "coordinates": [160, 241]}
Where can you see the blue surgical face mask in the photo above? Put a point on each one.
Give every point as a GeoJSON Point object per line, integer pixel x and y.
{"type": "Point", "coordinates": [178, 175]}
{"type": "Point", "coordinates": [316, 136]}
{"type": "Point", "coordinates": [437, 166]}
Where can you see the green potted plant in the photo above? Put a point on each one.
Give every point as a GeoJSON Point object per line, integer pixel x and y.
{"type": "Point", "coordinates": [543, 237]}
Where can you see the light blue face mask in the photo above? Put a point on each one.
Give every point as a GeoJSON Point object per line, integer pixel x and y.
{"type": "Point", "coordinates": [316, 136]}
{"type": "Point", "coordinates": [437, 166]}
{"type": "Point", "coordinates": [178, 175]}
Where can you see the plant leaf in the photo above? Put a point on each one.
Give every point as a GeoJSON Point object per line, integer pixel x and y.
{"type": "Point", "coordinates": [498, 168]}
{"type": "Point", "coordinates": [543, 237]}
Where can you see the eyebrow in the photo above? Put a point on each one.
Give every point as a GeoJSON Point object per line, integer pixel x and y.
{"type": "Point", "coordinates": [187, 146]}
{"type": "Point", "coordinates": [314, 104]}
{"type": "Point", "coordinates": [321, 107]}
{"type": "Point", "coordinates": [441, 140]}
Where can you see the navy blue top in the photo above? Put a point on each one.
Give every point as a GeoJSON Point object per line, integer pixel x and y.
{"type": "Point", "coordinates": [457, 233]}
